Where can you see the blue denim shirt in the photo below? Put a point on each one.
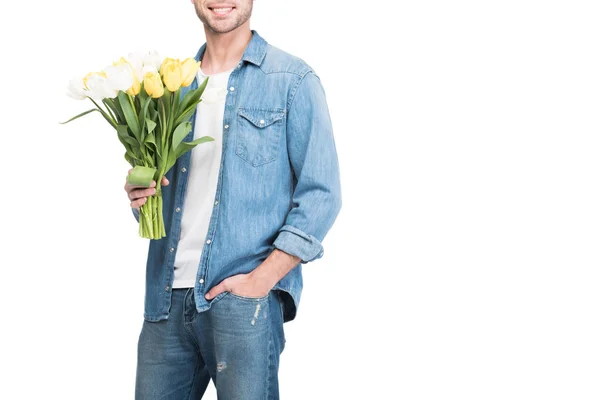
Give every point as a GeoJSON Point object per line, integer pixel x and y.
{"type": "Point", "coordinates": [278, 184]}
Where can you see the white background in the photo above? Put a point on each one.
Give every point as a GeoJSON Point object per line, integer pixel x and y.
{"type": "Point", "coordinates": [463, 265]}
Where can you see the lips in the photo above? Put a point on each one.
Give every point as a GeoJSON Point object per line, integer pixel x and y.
{"type": "Point", "coordinates": [221, 9]}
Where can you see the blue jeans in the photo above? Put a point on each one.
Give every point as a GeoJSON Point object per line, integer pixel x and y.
{"type": "Point", "coordinates": [237, 343]}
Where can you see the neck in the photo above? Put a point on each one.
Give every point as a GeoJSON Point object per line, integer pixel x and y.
{"type": "Point", "coordinates": [224, 50]}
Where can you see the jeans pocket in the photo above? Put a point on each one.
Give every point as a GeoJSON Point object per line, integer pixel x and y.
{"type": "Point", "coordinates": [251, 299]}
{"type": "Point", "coordinates": [259, 134]}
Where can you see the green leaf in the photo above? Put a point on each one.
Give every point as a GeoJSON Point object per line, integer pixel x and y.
{"type": "Point", "coordinates": [150, 142]}
{"type": "Point", "coordinates": [129, 113]}
{"type": "Point", "coordinates": [187, 115]}
{"type": "Point", "coordinates": [143, 110]}
{"type": "Point", "coordinates": [129, 159]}
{"type": "Point", "coordinates": [150, 124]}
{"type": "Point", "coordinates": [106, 116]}
{"type": "Point", "coordinates": [80, 115]}
{"type": "Point", "coordinates": [123, 133]}
{"type": "Point", "coordinates": [142, 94]}
{"type": "Point", "coordinates": [116, 107]}
{"type": "Point", "coordinates": [191, 99]}
{"type": "Point", "coordinates": [180, 133]}
{"type": "Point", "coordinates": [170, 160]}
{"type": "Point", "coordinates": [187, 146]}
{"type": "Point", "coordinates": [152, 113]}
{"type": "Point", "coordinates": [166, 98]}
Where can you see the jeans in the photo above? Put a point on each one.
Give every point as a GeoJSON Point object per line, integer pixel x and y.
{"type": "Point", "coordinates": [237, 343]}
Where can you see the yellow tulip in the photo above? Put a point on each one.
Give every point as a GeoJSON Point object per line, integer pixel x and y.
{"type": "Point", "coordinates": [134, 90]}
{"type": "Point", "coordinates": [172, 76]}
{"type": "Point", "coordinates": [189, 69]}
{"type": "Point", "coordinates": [153, 85]}
{"type": "Point", "coordinates": [166, 62]}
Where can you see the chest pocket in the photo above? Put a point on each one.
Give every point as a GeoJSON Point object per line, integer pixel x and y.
{"type": "Point", "coordinates": [259, 134]}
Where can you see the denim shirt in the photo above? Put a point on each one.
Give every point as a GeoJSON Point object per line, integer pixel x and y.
{"type": "Point", "coordinates": [278, 184]}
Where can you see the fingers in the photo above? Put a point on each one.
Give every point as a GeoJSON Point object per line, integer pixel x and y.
{"type": "Point", "coordinates": [139, 193]}
{"type": "Point", "coordinates": [216, 290]}
{"type": "Point", "coordinates": [139, 196]}
{"type": "Point", "coordinates": [138, 203]}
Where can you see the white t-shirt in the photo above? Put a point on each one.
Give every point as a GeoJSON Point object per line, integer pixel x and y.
{"type": "Point", "coordinates": [202, 180]}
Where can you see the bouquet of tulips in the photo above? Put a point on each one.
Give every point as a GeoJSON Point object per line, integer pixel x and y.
{"type": "Point", "coordinates": [143, 101]}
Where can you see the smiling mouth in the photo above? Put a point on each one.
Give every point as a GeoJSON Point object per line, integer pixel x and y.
{"type": "Point", "coordinates": [221, 10]}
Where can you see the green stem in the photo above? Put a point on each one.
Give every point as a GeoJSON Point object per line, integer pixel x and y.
{"type": "Point", "coordinates": [152, 225]}
{"type": "Point", "coordinates": [160, 213]}
{"type": "Point", "coordinates": [147, 218]}
{"type": "Point", "coordinates": [133, 108]}
{"type": "Point", "coordinates": [165, 145]}
{"type": "Point", "coordinates": [112, 115]}
{"type": "Point", "coordinates": [105, 114]}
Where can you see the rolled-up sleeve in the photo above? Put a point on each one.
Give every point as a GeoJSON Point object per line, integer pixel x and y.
{"type": "Point", "coordinates": [312, 152]}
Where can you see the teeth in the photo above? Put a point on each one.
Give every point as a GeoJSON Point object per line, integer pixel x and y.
{"type": "Point", "coordinates": [221, 10]}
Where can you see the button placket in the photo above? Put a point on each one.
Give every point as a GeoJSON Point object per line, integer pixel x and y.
{"type": "Point", "coordinates": [229, 102]}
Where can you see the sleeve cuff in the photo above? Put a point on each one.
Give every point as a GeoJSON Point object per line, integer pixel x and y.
{"type": "Point", "coordinates": [136, 213]}
{"type": "Point", "coordinates": [297, 243]}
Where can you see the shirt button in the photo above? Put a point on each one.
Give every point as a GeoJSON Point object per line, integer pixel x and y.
{"type": "Point", "coordinates": [167, 288]}
{"type": "Point", "coordinates": [232, 88]}
{"type": "Point", "coordinates": [226, 126]}
{"type": "Point", "coordinates": [262, 121]}
{"type": "Point", "coordinates": [201, 280]}
{"type": "Point", "coordinates": [177, 209]}
{"type": "Point", "coordinates": [216, 202]}
{"type": "Point", "coordinates": [171, 249]}
{"type": "Point", "coordinates": [183, 169]}
{"type": "Point", "coordinates": [208, 241]}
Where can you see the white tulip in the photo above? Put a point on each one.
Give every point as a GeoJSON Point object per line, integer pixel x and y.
{"type": "Point", "coordinates": [136, 60]}
{"type": "Point", "coordinates": [119, 77]}
{"type": "Point", "coordinates": [76, 89]}
{"type": "Point", "coordinates": [152, 58]}
{"type": "Point", "coordinates": [99, 88]}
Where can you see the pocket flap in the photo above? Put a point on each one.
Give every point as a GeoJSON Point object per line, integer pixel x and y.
{"type": "Point", "coordinates": [260, 117]}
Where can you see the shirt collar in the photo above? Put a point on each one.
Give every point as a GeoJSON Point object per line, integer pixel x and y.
{"type": "Point", "coordinates": [255, 51]}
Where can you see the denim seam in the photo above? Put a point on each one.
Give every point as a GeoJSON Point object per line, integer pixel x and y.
{"type": "Point", "coordinates": [270, 355]}
{"type": "Point", "coordinates": [294, 91]}
{"type": "Point", "coordinates": [281, 71]}
{"type": "Point", "coordinates": [185, 324]}
{"type": "Point", "coordinates": [251, 299]}
{"type": "Point", "coordinates": [193, 381]}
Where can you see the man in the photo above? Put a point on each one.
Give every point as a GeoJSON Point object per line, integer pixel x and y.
{"type": "Point", "coordinates": [242, 213]}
